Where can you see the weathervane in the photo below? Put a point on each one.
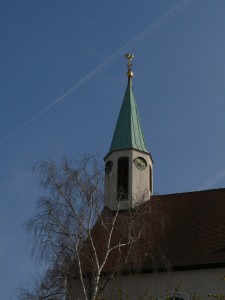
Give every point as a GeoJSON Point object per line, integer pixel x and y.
{"type": "Point", "coordinates": [129, 57]}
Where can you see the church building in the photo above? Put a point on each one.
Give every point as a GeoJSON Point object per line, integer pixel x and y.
{"type": "Point", "coordinates": [180, 249]}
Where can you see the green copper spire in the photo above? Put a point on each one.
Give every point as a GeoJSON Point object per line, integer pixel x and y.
{"type": "Point", "coordinates": [128, 133]}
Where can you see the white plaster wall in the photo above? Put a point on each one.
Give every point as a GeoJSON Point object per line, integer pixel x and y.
{"type": "Point", "coordinates": [75, 290]}
{"type": "Point", "coordinates": [139, 181]}
{"type": "Point", "coordinates": [202, 282]}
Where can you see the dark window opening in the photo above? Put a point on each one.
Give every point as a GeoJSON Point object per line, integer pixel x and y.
{"type": "Point", "coordinates": [123, 178]}
{"type": "Point", "coordinates": [175, 298]}
{"type": "Point", "coordinates": [108, 167]}
{"type": "Point", "coordinates": [150, 178]}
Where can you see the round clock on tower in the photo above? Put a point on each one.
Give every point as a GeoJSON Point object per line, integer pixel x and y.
{"type": "Point", "coordinates": [128, 164]}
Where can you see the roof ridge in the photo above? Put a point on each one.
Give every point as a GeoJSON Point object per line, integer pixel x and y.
{"type": "Point", "coordinates": [191, 192]}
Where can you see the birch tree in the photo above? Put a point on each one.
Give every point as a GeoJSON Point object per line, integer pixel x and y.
{"type": "Point", "coordinates": [79, 239]}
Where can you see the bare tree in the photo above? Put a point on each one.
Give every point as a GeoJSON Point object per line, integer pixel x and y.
{"type": "Point", "coordinates": [80, 239]}
{"type": "Point", "coordinates": [49, 286]}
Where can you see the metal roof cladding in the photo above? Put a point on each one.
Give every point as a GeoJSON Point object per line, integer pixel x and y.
{"type": "Point", "coordinates": [128, 133]}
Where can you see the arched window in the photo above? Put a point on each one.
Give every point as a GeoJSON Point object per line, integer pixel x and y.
{"type": "Point", "coordinates": [123, 178]}
{"type": "Point", "coordinates": [174, 295]}
{"type": "Point", "coordinates": [150, 179]}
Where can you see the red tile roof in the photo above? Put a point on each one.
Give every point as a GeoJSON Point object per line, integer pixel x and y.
{"type": "Point", "coordinates": [179, 231]}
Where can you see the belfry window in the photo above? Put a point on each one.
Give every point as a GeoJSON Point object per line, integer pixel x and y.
{"type": "Point", "coordinates": [122, 178]}
{"type": "Point", "coordinates": [150, 179]}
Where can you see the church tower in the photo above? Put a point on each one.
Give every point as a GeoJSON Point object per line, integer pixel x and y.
{"type": "Point", "coordinates": [128, 164]}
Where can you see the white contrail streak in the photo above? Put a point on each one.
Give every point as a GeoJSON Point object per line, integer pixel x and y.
{"type": "Point", "coordinates": [212, 181]}
{"type": "Point", "coordinates": [148, 31]}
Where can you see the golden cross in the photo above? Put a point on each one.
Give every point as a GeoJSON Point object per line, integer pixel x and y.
{"type": "Point", "coordinates": [129, 57]}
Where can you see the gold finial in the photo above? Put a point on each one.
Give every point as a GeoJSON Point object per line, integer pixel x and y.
{"type": "Point", "coordinates": [129, 57]}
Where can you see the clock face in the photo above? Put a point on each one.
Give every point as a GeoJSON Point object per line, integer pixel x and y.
{"type": "Point", "coordinates": [108, 167]}
{"type": "Point", "coordinates": [140, 163]}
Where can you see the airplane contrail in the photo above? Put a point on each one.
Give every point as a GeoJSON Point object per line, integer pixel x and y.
{"type": "Point", "coordinates": [148, 31]}
{"type": "Point", "coordinates": [212, 181]}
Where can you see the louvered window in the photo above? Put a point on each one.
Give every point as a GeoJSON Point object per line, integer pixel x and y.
{"type": "Point", "coordinates": [123, 178]}
{"type": "Point", "coordinates": [150, 178]}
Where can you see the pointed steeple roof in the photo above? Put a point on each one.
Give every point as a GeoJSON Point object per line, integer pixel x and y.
{"type": "Point", "coordinates": [128, 133]}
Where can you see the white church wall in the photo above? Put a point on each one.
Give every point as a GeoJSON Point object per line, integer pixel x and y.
{"type": "Point", "coordinates": [202, 282]}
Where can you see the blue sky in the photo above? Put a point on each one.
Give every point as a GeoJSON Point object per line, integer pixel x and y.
{"type": "Point", "coordinates": [62, 84]}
